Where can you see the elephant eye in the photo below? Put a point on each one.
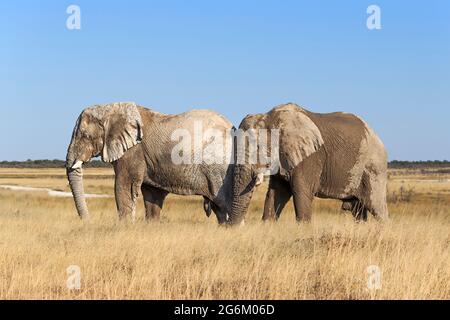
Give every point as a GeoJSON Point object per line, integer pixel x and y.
{"type": "Point", "coordinates": [85, 135]}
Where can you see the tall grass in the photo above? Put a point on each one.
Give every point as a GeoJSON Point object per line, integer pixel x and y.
{"type": "Point", "coordinates": [187, 256]}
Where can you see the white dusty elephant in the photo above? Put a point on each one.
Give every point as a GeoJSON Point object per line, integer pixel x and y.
{"type": "Point", "coordinates": [139, 142]}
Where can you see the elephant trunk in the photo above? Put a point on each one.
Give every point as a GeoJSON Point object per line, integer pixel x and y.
{"type": "Point", "coordinates": [75, 177]}
{"type": "Point", "coordinates": [243, 185]}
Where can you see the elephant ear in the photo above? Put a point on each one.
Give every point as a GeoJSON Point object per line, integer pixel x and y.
{"type": "Point", "coordinates": [123, 129]}
{"type": "Point", "coordinates": [299, 136]}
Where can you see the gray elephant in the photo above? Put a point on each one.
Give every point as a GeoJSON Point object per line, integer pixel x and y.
{"type": "Point", "coordinates": [334, 155]}
{"type": "Point", "coordinates": [139, 142]}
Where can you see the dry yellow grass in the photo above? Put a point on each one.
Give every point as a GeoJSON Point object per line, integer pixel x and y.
{"type": "Point", "coordinates": [187, 256]}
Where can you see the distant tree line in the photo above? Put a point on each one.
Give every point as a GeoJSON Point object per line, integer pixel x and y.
{"type": "Point", "coordinates": [49, 164]}
{"type": "Point", "coordinates": [396, 164]}
{"type": "Point", "coordinates": [99, 164]}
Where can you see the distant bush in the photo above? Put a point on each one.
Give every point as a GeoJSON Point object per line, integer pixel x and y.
{"type": "Point", "coordinates": [49, 164]}
{"type": "Point", "coordinates": [418, 164]}
{"type": "Point", "coordinates": [405, 194]}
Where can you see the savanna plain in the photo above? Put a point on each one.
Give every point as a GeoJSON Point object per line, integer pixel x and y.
{"type": "Point", "coordinates": [188, 256]}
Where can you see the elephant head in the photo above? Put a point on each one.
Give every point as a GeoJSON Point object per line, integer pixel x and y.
{"type": "Point", "coordinates": [298, 137]}
{"type": "Point", "coordinates": [102, 130]}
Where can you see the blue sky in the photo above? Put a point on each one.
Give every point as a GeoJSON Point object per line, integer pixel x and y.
{"type": "Point", "coordinates": [236, 57]}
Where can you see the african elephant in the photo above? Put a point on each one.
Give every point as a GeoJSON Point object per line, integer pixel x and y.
{"type": "Point", "coordinates": [333, 155]}
{"type": "Point", "coordinates": [139, 143]}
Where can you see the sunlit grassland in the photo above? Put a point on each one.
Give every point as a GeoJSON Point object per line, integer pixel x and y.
{"type": "Point", "coordinates": [187, 256]}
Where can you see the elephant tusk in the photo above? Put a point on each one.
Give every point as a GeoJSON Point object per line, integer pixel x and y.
{"type": "Point", "coordinates": [259, 179]}
{"type": "Point", "coordinates": [77, 164]}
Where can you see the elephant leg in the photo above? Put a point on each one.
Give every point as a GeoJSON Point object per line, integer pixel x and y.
{"type": "Point", "coordinates": [277, 196]}
{"type": "Point", "coordinates": [153, 201]}
{"type": "Point", "coordinates": [128, 181]}
{"type": "Point", "coordinates": [126, 193]}
{"type": "Point", "coordinates": [303, 206]}
{"type": "Point", "coordinates": [303, 199]}
{"type": "Point", "coordinates": [379, 209]}
{"type": "Point", "coordinates": [305, 183]}
{"type": "Point", "coordinates": [376, 200]}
